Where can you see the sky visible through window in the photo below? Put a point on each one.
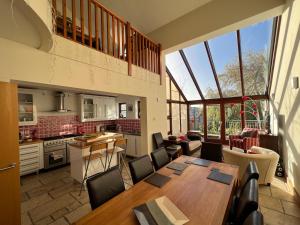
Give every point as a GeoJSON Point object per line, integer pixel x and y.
{"type": "Point", "coordinates": [255, 46]}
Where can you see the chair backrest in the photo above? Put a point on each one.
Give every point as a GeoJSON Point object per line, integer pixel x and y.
{"type": "Point", "coordinates": [140, 168]}
{"type": "Point", "coordinates": [255, 218]}
{"type": "Point", "coordinates": [212, 151]}
{"type": "Point", "coordinates": [104, 186]}
{"type": "Point", "coordinates": [98, 146]}
{"type": "Point", "coordinates": [250, 173]}
{"type": "Point", "coordinates": [159, 158]}
{"type": "Point", "coordinates": [158, 140]}
{"type": "Point", "coordinates": [248, 202]}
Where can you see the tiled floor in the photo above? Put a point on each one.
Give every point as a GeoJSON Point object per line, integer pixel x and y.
{"type": "Point", "coordinates": [52, 198]}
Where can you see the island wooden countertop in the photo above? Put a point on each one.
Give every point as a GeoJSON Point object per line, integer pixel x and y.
{"type": "Point", "coordinates": [88, 139]}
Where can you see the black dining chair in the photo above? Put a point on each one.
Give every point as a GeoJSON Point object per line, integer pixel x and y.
{"type": "Point", "coordinates": [255, 218]}
{"type": "Point", "coordinates": [104, 186]}
{"type": "Point", "coordinates": [172, 150]}
{"type": "Point", "coordinates": [140, 168]}
{"type": "Point", "coordinates": [247, 203]}
{"type": "Point", "coordinates": [159, 158]}
{"type": "Point", "coordinates": [212, 151]}
{"type": "Point", "coordinates": [251, 172]}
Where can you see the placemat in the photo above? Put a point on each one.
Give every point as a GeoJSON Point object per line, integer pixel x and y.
{"type": "Point", "coordinates": [177, 166]}
{"type": "Point", "coordinates": [220, 177]}
{"type": "Point", "coordinates": [157, 180]}
{"type": "Point", "coordinates": [201, 162]}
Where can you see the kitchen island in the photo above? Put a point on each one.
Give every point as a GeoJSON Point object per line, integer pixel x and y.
{"type": "Point", "coordinates": [80, 149]}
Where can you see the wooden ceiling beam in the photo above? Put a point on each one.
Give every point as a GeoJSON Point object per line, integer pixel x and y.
{"type": "Point", "coordinates": [191, 73]}
{"type": "Point", "coordinates": [238, 35]}
{"type": "Point", "coordinates": [213, 68]}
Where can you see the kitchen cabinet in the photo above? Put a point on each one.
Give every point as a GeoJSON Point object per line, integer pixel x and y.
{"type": "Point", "coordinates": [31, 158]}
{"type": "Point", "coordinates": [96, 108]}
{"type": "Point", "coordinates": [27, 108]}
{"type": "Point", "coordinates": [133, 145]}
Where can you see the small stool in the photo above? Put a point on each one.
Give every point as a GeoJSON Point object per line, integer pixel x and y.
{"type": "Point", "coordinates": [173, 151]}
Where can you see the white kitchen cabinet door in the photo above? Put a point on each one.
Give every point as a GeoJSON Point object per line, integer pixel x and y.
{"type": "Point", "coordinates": [27, 108]}
{"type": "Point", "coordinates": [111, 109]}
{"type": "Point", "coordinates": [138, 149]}
{"type": "Point", "coordinates": [31, 158]}
{"type": "Point", "coordinates": [100, 102]}
{"type": "Point", "coordinates": [88, 108]}
{"type": "Point", "coordinates": [130, 145]}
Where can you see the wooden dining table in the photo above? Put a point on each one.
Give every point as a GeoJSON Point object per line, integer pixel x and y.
{"type": "Point", "coordinates": [202, 200]}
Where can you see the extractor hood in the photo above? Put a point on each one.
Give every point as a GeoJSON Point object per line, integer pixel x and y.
{"type": "Point", "coordinates": [61, 103]}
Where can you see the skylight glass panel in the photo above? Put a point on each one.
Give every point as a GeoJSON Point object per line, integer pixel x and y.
{"type": "Point", "coordinates": [224, 51]}
{"type": "Point", "coordinates": [199, 63]}
{"type": "Point", "coordinates": [256, 44]}
{"type": "Point", "coordinates": [181, 75]}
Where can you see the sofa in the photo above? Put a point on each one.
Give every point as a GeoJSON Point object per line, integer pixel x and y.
{"type": "Point", "coordinates": [191, 144]}
{"type": "Point", "coordinates": [245, 140]}
{"type": "Point", "coordinates": [265, 159]}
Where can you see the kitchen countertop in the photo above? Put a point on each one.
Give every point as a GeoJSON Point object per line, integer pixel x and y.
{"type": "Point", "coordinates": [34, 141]}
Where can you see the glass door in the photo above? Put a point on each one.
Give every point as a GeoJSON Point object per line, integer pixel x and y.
{"type": "Point", "coordinates": [26, 112]}
{"type": "Point", "coordinates": [89, 108]}
{"type": "Point", "coordinates": [233, 121]}
{"type": "Point", "coordinates": [213, 121]}
{"type": "Point", "coordinates": [196, 118]}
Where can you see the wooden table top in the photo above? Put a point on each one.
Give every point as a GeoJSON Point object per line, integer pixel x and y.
{"type": "Point", "coordinates": [202, 200]}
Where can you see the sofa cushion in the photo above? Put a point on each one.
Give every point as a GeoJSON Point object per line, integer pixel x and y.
{"type": "Point", "coordinates": [194, 144]}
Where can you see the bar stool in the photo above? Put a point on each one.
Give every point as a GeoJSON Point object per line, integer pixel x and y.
{"type": "Point", "coordinates": [120, 146]}
{"type": "Point", "coordinates": [94, 153]}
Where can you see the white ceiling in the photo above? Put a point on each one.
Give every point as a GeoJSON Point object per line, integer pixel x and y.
{"type": "Point", "coordinates": [148, 15]}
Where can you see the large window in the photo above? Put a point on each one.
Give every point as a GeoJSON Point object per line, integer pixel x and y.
{"type": "Point", "coordinates": [213, 121]}
{"type": "Point", "coordinates": [255, 114]}
{"type": "Point", "coordinates": [233, 122]}
{"type": "Point", "coordinates": [196, 118]}
{"type": "Point", "coordinates": [122, 110]}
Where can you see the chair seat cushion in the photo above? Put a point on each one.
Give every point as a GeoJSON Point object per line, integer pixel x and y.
{"type": "Point", "coordinates": [194, 144]}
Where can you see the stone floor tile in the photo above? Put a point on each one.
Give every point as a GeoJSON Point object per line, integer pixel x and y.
{"type": "Point", "coordinates": [74, 205]}
{"type": "Point", "coordinates": [270, 203]}
{"type": "Point", "coordinates": [44, 188]}
{"type": "Point", "coordinates": [264, 190]}
{"type": "Point", "coordinates": [61, 221]}
{"type": "Point", "coordinates": [83, 198]}
{"type": "Point", "coordinates": [25, 219]}
{"type": "Point", "coordinates": [24, 196]}
{"type": "Point", "coordinates": [53, 176]}
{"type": "Point", "coordinates": [35, 202]}
{"type": "Point", "coordinates": [291, 209]}
{"type": "Point", "coordinates": [59, 213]}
{"type": "Point", "coordinates": [64, 189]}
{"type": "Point", "coordinates": [272, 217]}
{"type": "Point", "coordinates": [27, 186]}
{"type": "Point", "coordinates": [45, 221]}
{"type": "Point", "coordinates": [78, 213]}
{"type": "Point", "coordinates": [283, 194]}
{"type": "Point", "coordinates": [51, 207]}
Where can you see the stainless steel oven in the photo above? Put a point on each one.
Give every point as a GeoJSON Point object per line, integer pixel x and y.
{"type": "Point", "coordinates": [54, 155]}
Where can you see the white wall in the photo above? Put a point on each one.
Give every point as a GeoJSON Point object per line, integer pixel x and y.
{"type": "Point", "coordinates": [285, 102]}
{"type": "Point", "coordinates": [69, 65]}
{"type": "Point", "coordinates": [129, 100]}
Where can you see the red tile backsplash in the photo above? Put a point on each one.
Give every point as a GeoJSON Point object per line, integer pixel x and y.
{"type": "Point", "coordinates": [49, 126]}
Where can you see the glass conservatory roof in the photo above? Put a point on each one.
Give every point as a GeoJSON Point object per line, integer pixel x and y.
{"type": "Point", "coordinates": [232, 65]}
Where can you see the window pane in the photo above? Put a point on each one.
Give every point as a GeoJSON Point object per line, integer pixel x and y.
{"type": "Point", "coordinates": [255, 114]}
{"type": "Point", "coordinates": [181, 75]}
{"type": "Point", "coordinates": [255, 43]}
{"type": "Point", "coordinates": [213, 121]}
{"type": "Point", "coordinates": [167, 86]}
{"type": "Point", "coordinates": [183, 118]}
{"type": "Point", "coordinates": [198, 60]}
{"type": "Point", "coordinates": [175, 119]}
{"type": "Point", "coordinates": [123, 107]}
{"type": "Point", "coordinates": [196, 118]}
{"type": "Point", "coordinates": [233, 123]}
{"type": "Point", "coordinates": [224, 52]}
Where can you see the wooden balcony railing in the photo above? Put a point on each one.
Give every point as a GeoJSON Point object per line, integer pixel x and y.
{"type": "Point", "coordinates": [91, 24]}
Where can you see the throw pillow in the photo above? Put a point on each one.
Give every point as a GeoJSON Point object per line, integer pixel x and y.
{"type": "Point", "coordinates": [247, 133]}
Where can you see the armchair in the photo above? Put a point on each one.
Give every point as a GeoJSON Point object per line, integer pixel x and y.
{"type": "Point", "coordinates": [247, 139]}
